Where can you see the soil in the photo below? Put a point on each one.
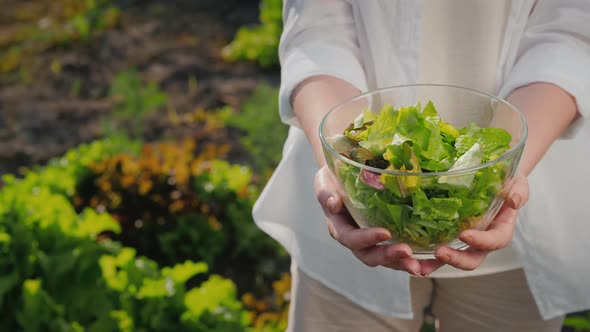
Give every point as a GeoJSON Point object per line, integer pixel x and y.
{"type": "Point", "coordinates": [169, 42]}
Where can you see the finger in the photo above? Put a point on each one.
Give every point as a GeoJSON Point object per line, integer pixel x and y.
{"type": "Point", "coordinates": [519, 192]}
{"type": "Point", "coordinates": [430, 265]}
{"type": "Point", "coordinates": [410, 265]}
{"type": "Point", "coordinates": [468, 259]}
{"type": "Point", "coordinates": [497, 236]}
{"type": "Point", "coordinates": [343, 229]}
{"type": "Point", "coordinates": [383, 255]}
{"type": "Point", "coordinates": [326, 191]}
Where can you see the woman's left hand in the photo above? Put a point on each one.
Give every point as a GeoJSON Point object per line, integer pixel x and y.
{"type": "Point", "coordinates": [497, 236]}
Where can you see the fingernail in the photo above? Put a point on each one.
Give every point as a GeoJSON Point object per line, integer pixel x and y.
{"type": "Point", "coordinates": [466, 238]}
{"type": "Point", "coordinates": [443, 257]}
{"type": "Point", "coordinates": [403, 254]}
{"type": "Point", "coordinates": [516, 201]}
{"type": "Point", "coordinates": [332, 205]}
{"type": "Point", "coordinates": [424, 275]}
{"type": "Point", "coordinates": [416, 273]}
{"type": "Point", "coordinates": [383, 237]}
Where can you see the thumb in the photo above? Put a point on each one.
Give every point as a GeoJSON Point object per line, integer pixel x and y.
{"type": "Point", "coordinates": [326, 192]}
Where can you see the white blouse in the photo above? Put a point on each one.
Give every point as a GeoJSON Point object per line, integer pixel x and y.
{"type": "Point", "coordinates": [460, 44]}
{"type": "Point", "coordinates": [378, 43]}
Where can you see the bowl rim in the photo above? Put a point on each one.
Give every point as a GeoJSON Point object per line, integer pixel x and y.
{"type": "Point", "coordinates": [517, 148]}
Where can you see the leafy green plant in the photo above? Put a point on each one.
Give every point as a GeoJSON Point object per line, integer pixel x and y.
{"type": "Point", "coordinates": [230, 194]}
{"type": "Point", "coordinates": [264, 134]}
{"type": "Point", "coordinates": [192, 235]}
{"type": "Point", "coordinates": [57, 277]}
{"type": "Point", "coordinates": [68, 216]}
{"type": "Point", "coordinates": [151, 195]}
{"type": "Point", "coordinates": [54, 24]}
{"type": "Point", "coordinates": [61, 175]}
{"type": "Point", "coordinates": [259, 43]}
{"type": "Point", "coordinates": [134, 100]}
{"type": "Point", "coordinates": [190, 205]}
{"type": "Point", "coordinates": [270, 313]}
{"type": "Point", "coordinates": [174, 204]}
{"type": "Point", "coordinates": [578, 322]}
{"type": "Point", "coordinates": [157, 300]}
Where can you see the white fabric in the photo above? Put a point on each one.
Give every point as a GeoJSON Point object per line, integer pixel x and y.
{"type": "Point", "coordinates": [460, 42]}
{"type": "Point", "coordinates": [465, 52]}
{"type": "Point", "coordinates": [375, 44]}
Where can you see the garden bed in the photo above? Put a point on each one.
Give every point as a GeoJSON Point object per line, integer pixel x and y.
{"type": "Point", "coordinates": [140, 217]}
{"type": "Point", "coordinates": [56, 96]}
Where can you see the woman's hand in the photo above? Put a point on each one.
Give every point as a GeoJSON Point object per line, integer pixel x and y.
{"type": "Point", "coordinates": [361, 241]}
{"type": "Point", "coordinates": [497, 236]}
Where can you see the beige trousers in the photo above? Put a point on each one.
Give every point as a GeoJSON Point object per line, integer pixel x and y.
{"type": "Point", "coordinates": [496, 302]}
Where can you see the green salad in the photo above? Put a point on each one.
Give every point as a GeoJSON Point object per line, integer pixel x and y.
{"type": "Point", "coordinates": [419, 210]}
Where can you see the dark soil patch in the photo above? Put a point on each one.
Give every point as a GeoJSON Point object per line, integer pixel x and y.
{"type": "Point", "coordinates": [168, 42]}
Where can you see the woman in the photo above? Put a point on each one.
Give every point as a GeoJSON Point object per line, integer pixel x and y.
{"type": "Point", "coordinates": [534, 53]}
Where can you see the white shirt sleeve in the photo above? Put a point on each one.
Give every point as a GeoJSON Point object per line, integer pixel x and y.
{"type": "Point", "coordinates": [555, 48]}
{"type": "Point", "coordinates": [318, 38]}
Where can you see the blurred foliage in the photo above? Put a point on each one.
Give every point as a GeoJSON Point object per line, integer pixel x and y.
{"type": "Point", "coordinates": [177, 201]}
{"type": "Point", "coordinates": [57, 277]}
{"type": "Point", "coordinates": [105, 237]}
{"type": "Point", "coordinates": [43, 24]}
{"type": "Point", "coordinates": [259, 43]}
{"type": "Point", "coordinates": [264, 133]}
{"type": "Point", "coordinates": [271, 313]}
{"type": "Point", "coordinates": [134, 100]}
{"type": "Point", "coordinates": [194, 205]}
{"type": "Point", "coordinates": [427, 327]}
{"type": "Point", "coordinates": [578, 322]}
{"type": "Point", "coordinates": [61, 175]}
{"type": "Point", "coordinates": [147, 191]}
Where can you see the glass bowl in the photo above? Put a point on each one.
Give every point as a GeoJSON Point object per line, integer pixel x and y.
{"type": "Point", "coordinates": [480, 195]}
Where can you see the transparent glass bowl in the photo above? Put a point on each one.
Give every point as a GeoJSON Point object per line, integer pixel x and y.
{"type": "Point", "coordinates": [457, 106]}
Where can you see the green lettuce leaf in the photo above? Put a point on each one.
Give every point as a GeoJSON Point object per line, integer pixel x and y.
{"type": "Point", "coordinates": [408, 119]}
{"type": "Point", "coordinates": [494, 141]}
{"type": "Point", "coordinates": [448, 133]}
{"type": "Point", "coordinates": [392, 216]}
{"type": "Point", "coordinates": [472, 207]}
{"type": "Point", "coordinates": [430, 111]}
{"type": "Point", "coordinates": [364, 118]}
{"type": "Point", "coordinates": [385, 126]}
{"type": "Point", "coordinates": [400, 153]}
{"type": "Point", "coordinates": [436, 150]}
{"type": "Point", "coordinates": [359, 192]}
{"type": "Point", "coordinates": [435, 208]}
{"type": "Point", "coordinates": [376, 147]}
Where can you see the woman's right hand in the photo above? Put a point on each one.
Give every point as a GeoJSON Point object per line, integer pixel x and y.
{"type": "Point", "coordinates": [361, 241]}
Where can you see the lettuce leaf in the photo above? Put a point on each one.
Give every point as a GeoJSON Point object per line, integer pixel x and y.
{"type": "Point", "coordinates": [436, 208]}
{"type": "Point", "coordinates": [364, 118]}
{"type": "Point", "coordinates": [392, 216]}
{"type": "Point", "coordinates": [494, 141]}
{"type": "Point", "coordinates": [358, 190]}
